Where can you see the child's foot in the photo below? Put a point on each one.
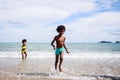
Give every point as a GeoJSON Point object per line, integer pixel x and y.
{"type": "Point", "coordinates": [60, 69]}
{"type": "Point", "coordinates": [55, 70]}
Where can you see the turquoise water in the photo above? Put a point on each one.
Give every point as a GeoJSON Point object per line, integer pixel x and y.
{"type": "Point", "coordinates": [74, 48]}
{"type": "Point", "coordinates": [91, 60]}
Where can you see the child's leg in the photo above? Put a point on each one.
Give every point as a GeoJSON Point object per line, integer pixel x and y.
{"type": "Point", "coordinates": [22, 55]}
{"type": "Point", "coordinates": [56, 61]}
{"type": "Point", "coordinates": [25, 55]}
{"type": "Point", "coordinates": [61, 60]}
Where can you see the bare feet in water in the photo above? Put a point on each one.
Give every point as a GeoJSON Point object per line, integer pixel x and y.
{"type": "Point", "coordinates": [60, 69]}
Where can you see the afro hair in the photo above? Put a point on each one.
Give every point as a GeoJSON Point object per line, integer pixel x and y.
{"type": "Point", "coordinates": [24, 40]}
{"type": "Point", "coordinates": [60, 27]}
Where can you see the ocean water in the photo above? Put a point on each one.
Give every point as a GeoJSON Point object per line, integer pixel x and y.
{"type": "Point", "coordinates": [77, 50]}
{"type": "Point", "coordinates": [86, 61]}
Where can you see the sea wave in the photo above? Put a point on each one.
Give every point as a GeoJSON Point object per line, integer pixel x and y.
{"type": "Point", "coordinates": [83, 55]}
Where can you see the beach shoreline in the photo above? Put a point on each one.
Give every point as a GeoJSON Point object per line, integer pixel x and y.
{"type": "Point", "coordinates": [43, 69]}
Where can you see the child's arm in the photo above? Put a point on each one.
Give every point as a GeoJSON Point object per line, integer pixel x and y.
{"type": "Point", "coordinates": [53, 44]}
{"type": "Point", "coordinates": [65, 47]}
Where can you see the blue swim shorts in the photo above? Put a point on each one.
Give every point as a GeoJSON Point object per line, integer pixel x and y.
{"type": "Point", "coordinates": [59, 50]}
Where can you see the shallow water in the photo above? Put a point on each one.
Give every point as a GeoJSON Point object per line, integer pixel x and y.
{"type": "Point", "coordinates": [81, 69]}
{"type": "Point", "coordinates": [77, 50]}
{"type": "Point", "coordinates": [87, 61]}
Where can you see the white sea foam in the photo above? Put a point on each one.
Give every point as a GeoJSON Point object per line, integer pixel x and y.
{"type": "Point", "coordinates": [52, 55]}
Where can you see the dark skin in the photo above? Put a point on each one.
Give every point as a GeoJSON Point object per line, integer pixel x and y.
{"type": "Point", "coordinates": [24, 55]}
{"type": "Point", "coordinates": [60, 42]}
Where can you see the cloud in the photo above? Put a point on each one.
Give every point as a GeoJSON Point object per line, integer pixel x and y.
{"type": "Point", "coordinates": [95, 27]}
{"type": "Point", "coordinates": [12, 22]}
{"type": "Point", "coordinates": [37, 20]}
{"type": "Point", "coordinates": [116, 33]}
{"type": "Point", "coordinates": [43, 11]}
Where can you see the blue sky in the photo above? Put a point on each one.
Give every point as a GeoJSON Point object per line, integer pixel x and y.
{"type": "Point", "coordinates": [36, 20]}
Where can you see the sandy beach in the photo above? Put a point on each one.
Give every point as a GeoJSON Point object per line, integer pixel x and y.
{"type": "Point", "coordinates": [73, 69]}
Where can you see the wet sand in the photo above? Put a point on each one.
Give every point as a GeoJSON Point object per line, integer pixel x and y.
{"type": "Point", "coordinates": [73, 69]}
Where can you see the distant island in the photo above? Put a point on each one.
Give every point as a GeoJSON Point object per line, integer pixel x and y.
{"type": "Point", "coordinates": [105, 42]}
{"type": "Point", "coordinates": [117, 42]}
{"type": "Point", "coordinates": [108, 42]}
